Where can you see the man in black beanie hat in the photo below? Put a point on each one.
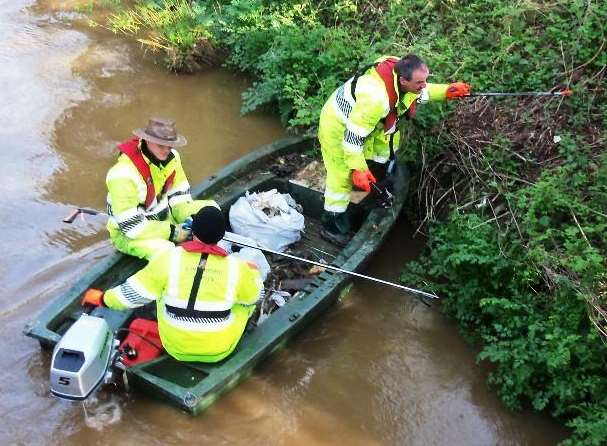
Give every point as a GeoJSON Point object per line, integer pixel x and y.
{"type": "Point", "coordinates": [204, 296]}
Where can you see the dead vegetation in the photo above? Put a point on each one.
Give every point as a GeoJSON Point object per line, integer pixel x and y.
{"type": "Point", "coordinates": [465, 176]}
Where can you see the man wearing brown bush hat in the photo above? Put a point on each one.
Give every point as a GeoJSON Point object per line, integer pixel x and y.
{"type": "Point", "coordinates": [148, 198]}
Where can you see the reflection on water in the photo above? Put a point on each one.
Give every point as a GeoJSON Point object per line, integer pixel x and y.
{"type": "Point", "coordinates": [376, 369]}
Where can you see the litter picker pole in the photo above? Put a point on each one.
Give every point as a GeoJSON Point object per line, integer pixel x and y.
{"type": "Point", "coordinates": [562, 93]}
{"type": "Point", "coordinates": [234, 238]}
{"type": "Point", "coordinates": [244, 242]}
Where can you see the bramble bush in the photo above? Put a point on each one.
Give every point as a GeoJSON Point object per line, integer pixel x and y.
{"type": "Point", "coordinates": [524, 296]}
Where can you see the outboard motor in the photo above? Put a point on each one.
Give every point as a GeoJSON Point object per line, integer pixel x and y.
{"type": "Point", "coordinates": [82, 358]}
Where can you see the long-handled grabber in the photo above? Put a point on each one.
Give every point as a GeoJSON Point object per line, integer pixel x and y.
{"type": "Point", "coordinates": [248, 243]}
{"type": "Point", "coordinates": [562, 93]}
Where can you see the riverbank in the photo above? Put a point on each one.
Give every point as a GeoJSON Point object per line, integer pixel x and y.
{"type": "Point", "coordinates": [512, 194]}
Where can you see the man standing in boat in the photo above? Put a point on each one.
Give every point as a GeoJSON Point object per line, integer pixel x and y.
{"type": "Point", "coordinates": [358, 129]}
{"type": "Point", "coordinates": [204, 297]}
{"type": "Point", "coordinates": [148, 197]}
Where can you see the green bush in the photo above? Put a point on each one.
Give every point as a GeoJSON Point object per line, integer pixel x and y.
{"type": "Point", "coordinates": [525, 299]}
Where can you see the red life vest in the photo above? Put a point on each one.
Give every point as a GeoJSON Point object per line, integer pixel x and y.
{"type": "Point", "coordinates": [130, 148]}
{"type": "Point", "coordinates": [198, 246]}
{"type": "Point", "coordinates": [385, 70]}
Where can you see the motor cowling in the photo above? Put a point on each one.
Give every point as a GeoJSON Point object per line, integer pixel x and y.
{"type": "Point", "coordinates": [82, 358]}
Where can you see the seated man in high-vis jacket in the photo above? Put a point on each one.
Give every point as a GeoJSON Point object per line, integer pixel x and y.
{"type": "Point", "coordinates": [204, 297]}
{"type": "Point", "coordinates": [148, 196]}
{"type": "Point", "coordinates": [359, 123]}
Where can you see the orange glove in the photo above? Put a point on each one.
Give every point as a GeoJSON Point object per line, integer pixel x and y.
{"type": "Point", "coordinates": [363, 179]}
{"type": "Point", "coordinates": [458, 90]}
{"type": "Point", "coordinates": [93, 297]}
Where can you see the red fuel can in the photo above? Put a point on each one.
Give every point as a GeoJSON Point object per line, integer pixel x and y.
{"type": "Point", "coordinates": [142, 344]}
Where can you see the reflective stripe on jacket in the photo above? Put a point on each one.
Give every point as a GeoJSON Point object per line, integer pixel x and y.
{"type": "Point", "coordinates": [358, 123]}
{"type": "Point", "coordinates": [211, 326]}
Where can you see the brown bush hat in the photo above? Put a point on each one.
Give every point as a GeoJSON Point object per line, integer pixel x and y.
{"type": "Point", "coordinates": [161, 131]}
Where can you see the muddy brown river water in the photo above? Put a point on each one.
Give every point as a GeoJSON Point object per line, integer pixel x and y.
{"type": "Point", "coordinates": [375, 370]}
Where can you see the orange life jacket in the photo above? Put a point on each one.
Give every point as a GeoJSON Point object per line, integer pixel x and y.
{"type": "Point", "coordinates": [385, 70]}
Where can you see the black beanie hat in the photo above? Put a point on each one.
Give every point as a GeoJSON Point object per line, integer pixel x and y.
{"type": "Point", "coordinates": [208, 225]}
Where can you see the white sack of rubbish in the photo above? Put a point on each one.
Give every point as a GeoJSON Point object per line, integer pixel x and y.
{"type": "Point", "coordinates": [268, 217]}
{"type": "Point", "coordinates": [225, 245]}
{"type": "Point", "coordinates": [256, 257]}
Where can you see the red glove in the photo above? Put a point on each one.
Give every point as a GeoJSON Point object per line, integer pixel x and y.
{"type": "Point", "coordinates": [93, 297]}
{"type": "Point", "coordinates": [458, 90]}
{"type": "Point", "coordinates": [363, 179]}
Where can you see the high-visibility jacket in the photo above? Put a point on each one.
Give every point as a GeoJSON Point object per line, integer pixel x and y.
{"type": "Point", "coordinates": [126, 199]}
{"type": "Point", "coordinates": [200, 318]}
{"type": "Point", "coordinates": [352, 128]}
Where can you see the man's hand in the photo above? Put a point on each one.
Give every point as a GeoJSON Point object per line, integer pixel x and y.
{"type": "Point", "coordinates": [93, 297]}
{"type": "Point", "coordinates": [458, 90]}
{"type": "Point", "coordinates": [362, 179]}
{"type": "Point", "coordinates": [180, 233]}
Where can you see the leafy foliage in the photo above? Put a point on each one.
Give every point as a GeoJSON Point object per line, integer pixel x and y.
{"type": "Point", "coordinates": [524, 295]}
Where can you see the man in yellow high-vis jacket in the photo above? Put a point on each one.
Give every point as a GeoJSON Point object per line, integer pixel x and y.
{"type": "Point", "coordinates": [359, 123]}
{"type": "Point", "coordinates": [148, 196]}
{"type": "Point", "coordinates": [204, 297]}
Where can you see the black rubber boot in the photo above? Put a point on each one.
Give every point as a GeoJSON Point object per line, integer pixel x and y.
{"type": "Point", "coordinates": [336, 227]}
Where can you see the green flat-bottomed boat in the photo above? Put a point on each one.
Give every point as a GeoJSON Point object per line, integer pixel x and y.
{"type": "Point", "coordinates": [195, 386]}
